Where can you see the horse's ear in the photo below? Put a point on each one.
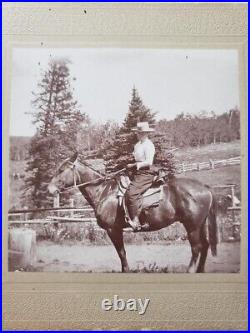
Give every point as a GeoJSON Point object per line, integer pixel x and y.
{"type": "Point", "coordinates": [73, 157]}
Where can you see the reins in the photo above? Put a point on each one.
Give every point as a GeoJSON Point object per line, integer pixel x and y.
{"type": "Point", "coordinates": [93, 169]}
{"type": "Point", "coordinates": [76, 175]}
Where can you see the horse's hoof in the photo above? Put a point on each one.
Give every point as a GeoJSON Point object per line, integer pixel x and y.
{"type": "Point", "coordinates": [125, 270]}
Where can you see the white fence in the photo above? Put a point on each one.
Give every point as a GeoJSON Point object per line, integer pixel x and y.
{"type": "Point", "coordinates": [211, 164]}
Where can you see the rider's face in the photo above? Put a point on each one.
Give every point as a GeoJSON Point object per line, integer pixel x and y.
{"type": "Point", "coordinates": [141, 135]}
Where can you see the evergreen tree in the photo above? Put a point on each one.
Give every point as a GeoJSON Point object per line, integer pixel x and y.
{"type": "Point", "coordinates": [137, 112]}
{"type": "Point", "coordinates": [164, 157]}
{"type": "Point", "coordinates": [58, 118]}
{"type": "Point", "coordinates": [119, 153]}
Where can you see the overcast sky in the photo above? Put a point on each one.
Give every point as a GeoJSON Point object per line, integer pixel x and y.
{"type": "Point", "coordinates": [169, 81]}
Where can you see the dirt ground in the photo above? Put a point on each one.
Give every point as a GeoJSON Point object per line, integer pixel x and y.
{"type": "Point", "coordinates": [170, 258]}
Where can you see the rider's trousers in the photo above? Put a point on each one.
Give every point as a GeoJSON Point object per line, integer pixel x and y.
{"type": "Point", "coordinates": [141, 181]}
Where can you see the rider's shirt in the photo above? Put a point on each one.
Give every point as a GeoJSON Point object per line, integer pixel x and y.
{"type": "Point", "coordinates": [144, 152]}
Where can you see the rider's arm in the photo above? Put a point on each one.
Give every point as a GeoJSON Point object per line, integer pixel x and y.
{"type": "Point", "coordinates": [149, 153]}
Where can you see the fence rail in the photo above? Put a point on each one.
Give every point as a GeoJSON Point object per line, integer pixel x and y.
{"type": "Point", "coordinates": [70, 219]}
{"type": "Point", "coordinates": [83, 219]}
{"type": "Point", "coordinates": [55, 220]}
{"type": "Point", "coordinates": [224, 229]}
{"type": "Point", "coordinates": [211, 164]}
{"type": "Point", "coordinates": [25, 212]}
{"type": "Point", "coordinates": [20, 211]}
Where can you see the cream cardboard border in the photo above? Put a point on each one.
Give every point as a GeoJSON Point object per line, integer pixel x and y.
{"type": "Point", "coordinates": [178, 301]}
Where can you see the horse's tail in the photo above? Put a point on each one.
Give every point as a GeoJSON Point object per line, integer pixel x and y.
{"type": "Point", "coordinates": [212, 226]}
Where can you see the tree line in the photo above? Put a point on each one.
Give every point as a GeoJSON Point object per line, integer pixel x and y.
{"type": "Point", "coordinates": [62, 129]}
{"type": "Point", "coordinates": [185, 130]}
{"type": "Point", "coordinates": [201, 129]}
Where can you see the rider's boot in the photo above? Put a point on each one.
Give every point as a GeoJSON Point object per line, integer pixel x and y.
{"type": "Point", "coordinates": [135, 224]}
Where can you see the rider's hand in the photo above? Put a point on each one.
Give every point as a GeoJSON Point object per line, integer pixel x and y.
{"type": "Point", "coordinates": [131, 166]}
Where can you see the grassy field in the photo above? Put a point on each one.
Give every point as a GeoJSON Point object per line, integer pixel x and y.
{"type": "Point", "coordinates": [221, 176]}
{"type": "Point", "coordinates": [217, 151]}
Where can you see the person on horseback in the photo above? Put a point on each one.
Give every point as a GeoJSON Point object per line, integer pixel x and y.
{"type": "Point", "coordinates": [142, 175]}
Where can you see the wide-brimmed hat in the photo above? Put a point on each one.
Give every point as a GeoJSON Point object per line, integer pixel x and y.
{"type": "Point", "coordinates": [143, 127]}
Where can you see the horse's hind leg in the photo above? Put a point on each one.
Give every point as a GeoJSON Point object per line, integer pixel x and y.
{"type": "Point", "coordinates": [116, 236]}
{"type": "Point", "coordinates": [204, 249]}
{"type": "Point", "coordinates": [196, 246]}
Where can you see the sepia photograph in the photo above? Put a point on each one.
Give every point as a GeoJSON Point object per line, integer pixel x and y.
{"type": "Point", "coordinates": [124, 160]}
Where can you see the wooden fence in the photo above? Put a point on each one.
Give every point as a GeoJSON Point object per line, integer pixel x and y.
{"type": "Point", "coordinates": [22, 214]}
{"type": "Point", "coordinates": [78, 215]}
{"type": "Point", "coordinates": [211, 164]}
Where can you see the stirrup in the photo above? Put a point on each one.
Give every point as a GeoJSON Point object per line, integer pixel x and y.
{"type": "Point", "coordinates": [145, 227]}
{"type": "Point", "coordinates": [135, 226]}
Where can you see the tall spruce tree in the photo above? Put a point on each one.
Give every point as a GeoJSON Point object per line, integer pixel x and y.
{"type": "Point", "coordinates": [119, 154]}
{"type": "Point", "coordinates": [164, 157]}
{"type": "Point", "coordinates": [57, 116]}
{"type": "Point", "coordinates": [137, 112]}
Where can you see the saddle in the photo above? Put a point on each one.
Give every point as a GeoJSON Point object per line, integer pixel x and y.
{"type": "Point", "coordinates": [151, 198]}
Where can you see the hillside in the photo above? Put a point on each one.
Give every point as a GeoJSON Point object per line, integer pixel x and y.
{"type": "Point", "coordinates": [216, 151]}
{"type": "Point", "coordinates": [219, 176]}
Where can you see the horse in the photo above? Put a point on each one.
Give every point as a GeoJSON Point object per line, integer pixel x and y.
{"type": "Point", "coordinates": [184, 199]}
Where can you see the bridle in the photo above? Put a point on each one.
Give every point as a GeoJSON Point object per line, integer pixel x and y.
{"type": "Point", "coordinates": [77, 177]}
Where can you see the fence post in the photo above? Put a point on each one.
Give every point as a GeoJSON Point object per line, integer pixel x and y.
{"type": "Point", "coordinates": [71, 204]}
{"type": "Point", "coordinates": [232, 196]}
{"type": "Point", "coordinates": [56, 203]}
{"type": "Point", "coordinates": [211, 162]}
{"type": "Point", "coordinates": [25, 214]}
{"type": "Point", "coordinates": [233, 202]}
{"type": "Point", "coordinates": [220, 232]}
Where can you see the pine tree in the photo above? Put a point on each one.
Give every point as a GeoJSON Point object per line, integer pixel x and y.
{"type": "Point", "coordinates": [57, 116]}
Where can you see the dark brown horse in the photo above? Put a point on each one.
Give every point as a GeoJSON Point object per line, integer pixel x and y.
{"type": "Point", "coordinates": [184, 200]}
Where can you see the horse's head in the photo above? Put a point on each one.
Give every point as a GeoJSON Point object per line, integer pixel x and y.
{"type": "Point", "coordinates": [64, 176]}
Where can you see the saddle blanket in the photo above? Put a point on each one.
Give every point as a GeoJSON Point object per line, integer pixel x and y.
{"type": "Point", "coordinates": [151, 197]}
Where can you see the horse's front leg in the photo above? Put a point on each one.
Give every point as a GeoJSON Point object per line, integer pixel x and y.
{"type": "Point", "coordinates": [116, 236]}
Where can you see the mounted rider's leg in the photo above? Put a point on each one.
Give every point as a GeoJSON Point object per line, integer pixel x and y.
{"type": "Point", "coordinates": [133, 196]}
{"type": "Point", "coordinates": [133, 212]}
